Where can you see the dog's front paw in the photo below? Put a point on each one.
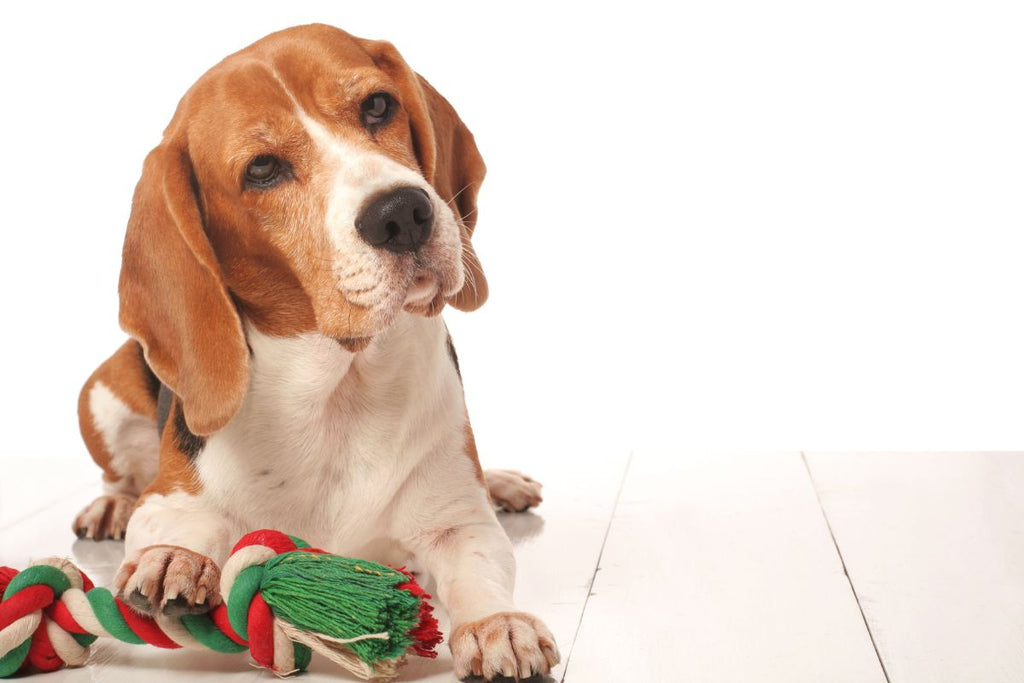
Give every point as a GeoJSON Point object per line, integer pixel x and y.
{"type": "Point", "coordinates": [513, 491]}
{"type": "Point", "coordinates": [169, 579]}
{"type": "Point", "coordinates": [104, 518]}
{"type": "Point", "coordinates": [512, 644]}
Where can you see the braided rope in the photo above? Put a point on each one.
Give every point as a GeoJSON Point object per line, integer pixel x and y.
{"type": "Point", "coordinates": [282, 600]}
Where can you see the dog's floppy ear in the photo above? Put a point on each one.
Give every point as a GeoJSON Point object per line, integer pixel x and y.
{"type": "Point", "coordinates": [173, 296]}
{"type": "Point", "coordinates": [448, 158]}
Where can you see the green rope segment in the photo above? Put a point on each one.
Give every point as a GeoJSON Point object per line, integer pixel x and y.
{"type": "Point", "coordinates": [245, 587]}
{"type": "Point", "coordinates": [84, 639]}
{"type": "Point", "coordinates": [202, 628]}
{"type": "Point", "coordinates": [299, 543]}
{"type": "Point", "coordinates": [40, 573]}
{"type": "Point", "coordinates": [303, 655]}
{"type": "Point", "coordinates": [105, 608]}
{"type": "Point", "coordinates": [11, 662]}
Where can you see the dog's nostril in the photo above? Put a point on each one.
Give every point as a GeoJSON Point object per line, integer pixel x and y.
{"type": "Point", "coordinates": [423, 214]}
{"type": "Point", "coordinates": [399, 221]}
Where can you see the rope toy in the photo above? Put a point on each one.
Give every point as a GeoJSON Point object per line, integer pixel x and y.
{"type": "Point", "coordinates": [282, 600]}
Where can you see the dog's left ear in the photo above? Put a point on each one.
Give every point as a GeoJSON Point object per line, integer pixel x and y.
{"type": "Point", "coordinates": [174, 299]}
{"type": "Point", "coordinates": [448, 158]}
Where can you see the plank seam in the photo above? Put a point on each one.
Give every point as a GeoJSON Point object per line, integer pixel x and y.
{"type": "Point", "coordinates": [839, 553]}
{"type": "Point", "coordinates": [597, 567]}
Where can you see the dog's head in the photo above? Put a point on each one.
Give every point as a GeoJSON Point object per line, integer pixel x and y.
{"type": "Point", "coordinates": [310, 182]}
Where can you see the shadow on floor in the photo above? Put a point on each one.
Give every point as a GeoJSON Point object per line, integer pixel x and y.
{"type": "Point", "coordinates": [521, 526]}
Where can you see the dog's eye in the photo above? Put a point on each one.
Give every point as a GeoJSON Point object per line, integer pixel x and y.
{"type": "Point", "coordinates": [263, 171]}
{"type": "Point", "coordinates": [377, 110]}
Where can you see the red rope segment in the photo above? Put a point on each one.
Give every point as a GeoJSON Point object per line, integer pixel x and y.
{"type": "Point", "coordinates": [261, 632]}
{"type": "Point", "coordinates": [41, 654]}
{"type": "Point", "coordinates": [51, 612]}
{"type": "Point", "coordinates": [145, 627]}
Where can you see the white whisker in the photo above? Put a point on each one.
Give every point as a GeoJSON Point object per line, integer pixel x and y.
{"type": "Point", "coordinates": [456, 195]}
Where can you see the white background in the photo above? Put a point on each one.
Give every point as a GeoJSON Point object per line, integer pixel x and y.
{"type": "Point", "coordinates": [738, 225]}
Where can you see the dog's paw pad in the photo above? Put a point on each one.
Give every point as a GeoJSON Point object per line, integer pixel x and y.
{"type": "Point", "coordinates": [104, 518]}
{"type": "Point", "coordinates": [171, 580]}
{"type": "Point", "coordinates": [511, 644]}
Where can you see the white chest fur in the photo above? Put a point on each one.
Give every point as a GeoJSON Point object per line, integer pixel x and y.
{"type": "Point", "coordinates": [326, 439]}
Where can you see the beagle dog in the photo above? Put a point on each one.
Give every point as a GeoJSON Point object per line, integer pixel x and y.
{"type": "Point", "coordinates": [291, 243]}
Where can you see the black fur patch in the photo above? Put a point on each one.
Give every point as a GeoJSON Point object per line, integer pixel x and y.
{"type": "Point", "coordinates": [454, 356]}
{"type": "Point", "coordinates": [164, 398]}
{"type": "Point", "coordinates": [187, 442]}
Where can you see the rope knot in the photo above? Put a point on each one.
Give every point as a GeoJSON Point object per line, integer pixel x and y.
{"type": "Point", "coordinates": [279, 592]}
{"type": "Point", "coordinates": [282, 600]}
{"type": "Point", "coordinates": [248, 614]}
{"type": "Point", "coordinates": [28, 634]}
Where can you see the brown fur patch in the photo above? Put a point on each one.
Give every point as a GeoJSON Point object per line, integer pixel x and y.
{"type": "Point", "coordinates": [126, 375]}
{"type": "Point", "coordinates": [176, 472]}
{"type": "Point", "coordinates": [472, 454]}
{"type": "Point", "coordinates": [355, 345]}
{"type": "Point", "coordinates": [173, 297]}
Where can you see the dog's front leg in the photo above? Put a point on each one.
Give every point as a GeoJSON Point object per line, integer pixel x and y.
{"type": "Point", "coordinates": [470, 557]}
{"type": "Point", "coordinates": [172, 549]}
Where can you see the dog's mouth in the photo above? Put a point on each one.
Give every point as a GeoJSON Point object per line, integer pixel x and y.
{"type": "Point", "coordinates": [425, 296]}
{"type": "Point", "coordinates": [423, 287]}
{"type": "Point", "coordinates": [414, 287]}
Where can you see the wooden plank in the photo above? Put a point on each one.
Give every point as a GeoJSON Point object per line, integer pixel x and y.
{"type": "Point", "coordinates": [33, 484]}
{"type": "Point", "coordinates": [47, 532]}
{"type": "Point", "coordinates": [934, 544]}
{"type": "Point", "coordinates": [556, 551]}
{"type": "Point", "coordinates": [721, 568]}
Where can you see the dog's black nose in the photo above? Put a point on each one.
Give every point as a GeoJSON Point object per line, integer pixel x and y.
{"type": "Point", "coordinates": [398, 221]}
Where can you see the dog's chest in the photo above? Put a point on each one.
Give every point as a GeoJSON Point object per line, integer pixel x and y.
{"type": "Point", "coordinates": [325, 440]}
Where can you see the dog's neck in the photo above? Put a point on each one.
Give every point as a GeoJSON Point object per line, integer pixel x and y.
{"type": "Point", "coordinates": [311, 369]}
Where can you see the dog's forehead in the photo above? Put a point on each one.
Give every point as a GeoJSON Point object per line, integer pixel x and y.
{"type": "Point", "coordinates": [302, 50]}
{"type": "Point", "coordinates": [318, 64]}
{"type": "Point", "coordinates": [252, 97]}
{"type": "Point", "coordinates": [329, 42]}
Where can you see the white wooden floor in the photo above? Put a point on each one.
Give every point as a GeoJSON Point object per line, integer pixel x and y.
{"type": "Point", "coordinates": [665, 567]}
